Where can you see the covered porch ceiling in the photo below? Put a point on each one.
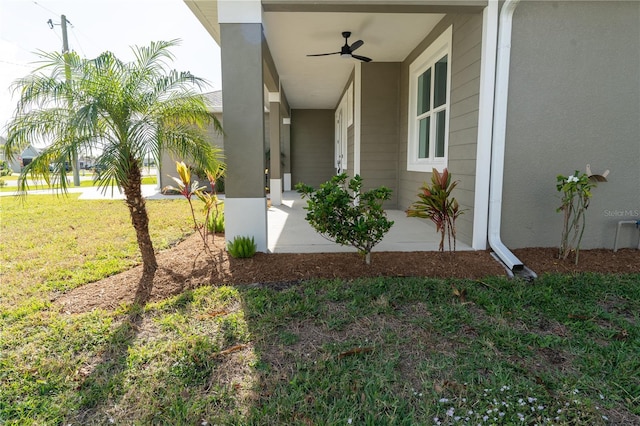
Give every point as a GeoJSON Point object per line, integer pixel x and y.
{"type": "Point", "coordinates": [294, 29]}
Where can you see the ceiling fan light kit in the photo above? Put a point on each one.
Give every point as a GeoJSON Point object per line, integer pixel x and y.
{"type": "Point", "coordinates": [346, 51]}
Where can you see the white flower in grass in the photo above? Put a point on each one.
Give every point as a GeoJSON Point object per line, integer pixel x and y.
{"type": "Point", "coordinates": [605, 418]}
{"type": "Point", "coordinates": [601, 396]}
{"type": "Point", "coordinates": [450, 412]}
{"type": "Point", "coordinates": [443, 400]}
{"type": "Point", "coordinates": [349, 420]}
{"type": "Point", "coordinates": [572, 178]}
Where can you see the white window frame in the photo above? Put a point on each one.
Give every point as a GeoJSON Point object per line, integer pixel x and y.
{"type": "Point", "coordinates": [427, 59]}
{"type": "Point", "coordinates": [340, 151]}
{"type": "Point", "coordinates": [350, 105]}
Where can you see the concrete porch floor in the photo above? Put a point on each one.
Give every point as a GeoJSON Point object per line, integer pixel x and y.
{"type": "Point", "coordinates": [289, 232]}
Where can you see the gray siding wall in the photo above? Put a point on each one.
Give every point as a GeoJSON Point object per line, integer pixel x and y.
{"type": "Point", "coordinates": [168, 161]}
{"type": "Point", "coordinates": [380, 127]}
{"type": "Point", "coordinates": [463, 125]}
{"type": "Point", "coordinates": [312, 134]}
{"type": "Point", "coordinates": [574, 99]}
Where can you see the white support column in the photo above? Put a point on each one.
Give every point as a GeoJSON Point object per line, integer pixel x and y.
{"type": "Point", "coordinates": [357, 104]}
{"type": "Point", "coordinates": [286, 133]}
{"type": "Point", "coordinates": [248, 219]}
{"type": "Point", "coordinates": [275, 181]}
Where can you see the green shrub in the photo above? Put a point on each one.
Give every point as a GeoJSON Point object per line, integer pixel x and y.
{"type": "Point", "coordinates": [2, 183]}
{"type": "Point", "coordinates": [5, 170]}
{"type": "Point", "coordinates": [242, 247]}
{"type": "Point", "coordinates": [341, 213]}
{"type": "Point", "coordinates": [576, 195]}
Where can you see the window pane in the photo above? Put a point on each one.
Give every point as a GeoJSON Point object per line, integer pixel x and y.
{"type": "Point", "coordinates": [440, 132]}
{"type": "Point", "coordinates": [423, 142]}
{"type": "Point", "coordinates": [424, 92]}
{"type": "Point", "coordinates": [440, 83]}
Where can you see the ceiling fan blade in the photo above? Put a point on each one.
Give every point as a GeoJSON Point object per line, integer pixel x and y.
{"type": "Point", "coordinates": [362, 58]}
{"type": "Point", "coordinates": [356, 44]}
{"type": "Point", "coordinates": [325, 54]}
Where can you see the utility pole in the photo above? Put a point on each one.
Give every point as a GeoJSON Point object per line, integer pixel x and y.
{"type": "Point", "coordinates": [67, 72]}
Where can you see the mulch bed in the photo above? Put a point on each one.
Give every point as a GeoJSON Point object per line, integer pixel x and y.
{"type": "Point", "coordinates": [187, 266]}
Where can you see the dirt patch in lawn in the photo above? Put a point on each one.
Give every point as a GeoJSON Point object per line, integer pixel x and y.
{"type": "Point", "coordinates": [187, 266]}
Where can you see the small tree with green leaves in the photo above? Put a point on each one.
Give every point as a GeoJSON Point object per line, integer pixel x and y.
{"type": "Point", "coordinates": [122, 112]}
{"type": "Point", "coordinates": [342, 213]}
{"type": "Point", "coordinates": [436, 203]}
{"type": "Point", "coordinates": [576, 194]}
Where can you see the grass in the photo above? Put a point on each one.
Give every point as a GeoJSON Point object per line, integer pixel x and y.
{"type": "Point", "coordinates": [146, 180]}
{"type": "Point", "coordinates": [386, 351]}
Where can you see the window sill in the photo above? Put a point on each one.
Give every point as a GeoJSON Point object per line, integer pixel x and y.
{"type": "Point", "coordinates": [427, 167]}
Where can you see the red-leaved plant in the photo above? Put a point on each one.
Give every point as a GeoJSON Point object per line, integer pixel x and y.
{"type": "Point", "coordinates": [435, 203]}
{"type": "Point", "coordinates": [188, 188]}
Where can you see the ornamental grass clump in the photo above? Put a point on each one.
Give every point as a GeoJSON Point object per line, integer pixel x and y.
{"type": "Point", "coordinates": [576, 195]}
{"type": "Point", "coordinates": [342, 213]}
{"type": "Point", "coordinates": [242, 247]}
{"type": "Point", "coordinates": [435, 203]}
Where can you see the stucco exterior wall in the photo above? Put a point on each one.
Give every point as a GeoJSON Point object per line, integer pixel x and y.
{"type": "Point", "coordinates": [312, 133]}
{"type": "Point", "coordinates": [380, 127]}
{"type": "Point", "coordinates": [463, 124]}
{"type": "Point", "coordinates": [574, 99]}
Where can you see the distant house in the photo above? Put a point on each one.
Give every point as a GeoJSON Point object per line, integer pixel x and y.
{"type": "Point", "coordinates": [3, 141]}
{"type": "Point", "coordinates": [505, 94]}
{"type": "Point", "coordinates": [18, 162]}
{"type": "Point", "coordinates": [28, 154]}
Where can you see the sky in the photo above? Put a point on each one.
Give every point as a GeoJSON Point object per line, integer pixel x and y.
{"type": "Point", "coordinates": [97, 26]}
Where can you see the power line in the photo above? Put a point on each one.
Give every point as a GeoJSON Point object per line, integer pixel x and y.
{"type": "Point", "coordinates": [47, 9]}
{"type": "Point", "coordinates": [75, 36]}
{"type": "Point", "coordinates": [14, 63]}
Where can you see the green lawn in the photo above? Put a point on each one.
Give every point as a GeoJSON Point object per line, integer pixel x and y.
{"type": "Point", "coordinates": [386, 351]}
{"type": "Point", "coordinates": [146, 180]}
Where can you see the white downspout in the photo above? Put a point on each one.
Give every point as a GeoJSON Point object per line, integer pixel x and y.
{"type": "Point", "coordinates": [499, 136]}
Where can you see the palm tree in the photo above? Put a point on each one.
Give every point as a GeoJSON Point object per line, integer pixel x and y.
{"type": "Point", "coordinates": [121, 113]}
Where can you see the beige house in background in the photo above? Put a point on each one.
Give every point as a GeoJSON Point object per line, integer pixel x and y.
{"type": "Point", "coordinates": [506, 95]}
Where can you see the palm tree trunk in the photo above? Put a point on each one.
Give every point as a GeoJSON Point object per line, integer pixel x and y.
{"type": "Point", "coordinates": [140, 221]}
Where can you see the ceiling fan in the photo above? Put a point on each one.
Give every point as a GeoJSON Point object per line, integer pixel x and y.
{"type": "Point", "coordinates": [346, 50]}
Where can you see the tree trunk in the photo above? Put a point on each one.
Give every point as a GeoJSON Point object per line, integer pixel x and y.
{"type": "Point", "coordinates": [140, 221]}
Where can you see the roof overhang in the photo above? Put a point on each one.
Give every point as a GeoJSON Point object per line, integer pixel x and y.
{"type": "Point", "coordinates": [294, 28]}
